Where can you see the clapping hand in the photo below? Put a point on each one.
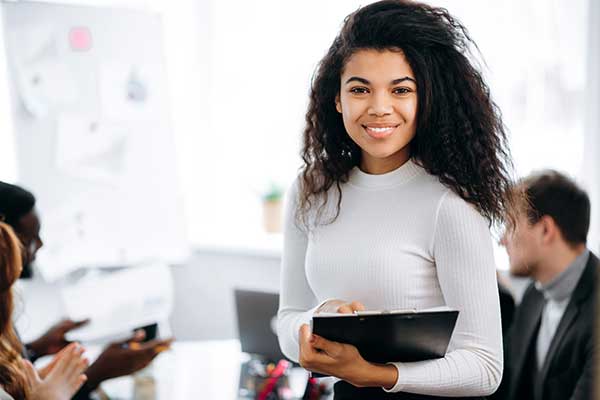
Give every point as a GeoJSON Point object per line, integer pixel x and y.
{"type": "Point", "coordinates": [54, 339]}
{"type": "Point", "coordinates": [125, 357]}
{"type": "Point", "coordinates": [61, 379]}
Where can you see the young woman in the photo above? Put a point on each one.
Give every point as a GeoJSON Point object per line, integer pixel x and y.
{"type": "Point", "coordinates": [18, 378]}
{"type": "Point", "coordinates": [405, 169]}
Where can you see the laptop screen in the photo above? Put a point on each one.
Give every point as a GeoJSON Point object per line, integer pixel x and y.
{"type": "Point", "coordinates": [257, 323]}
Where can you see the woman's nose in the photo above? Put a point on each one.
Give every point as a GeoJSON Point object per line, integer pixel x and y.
{"type": "Point", "coordinates": [380, 105]}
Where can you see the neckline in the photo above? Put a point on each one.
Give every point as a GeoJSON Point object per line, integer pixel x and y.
{"type": "Point", "coordinates": [399, 176]}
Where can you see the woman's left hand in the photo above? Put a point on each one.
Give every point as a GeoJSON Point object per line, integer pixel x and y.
{"type": "Point", "coordinates": [341, 360]}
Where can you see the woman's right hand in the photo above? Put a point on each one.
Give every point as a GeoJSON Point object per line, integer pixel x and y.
{"type": "Point", "coordinates": [340, 306]}
{"type": "Point", "coordinates": [64, 378]}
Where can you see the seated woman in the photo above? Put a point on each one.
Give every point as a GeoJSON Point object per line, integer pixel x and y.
{"type": "Point", "coordinates": [18, 378]}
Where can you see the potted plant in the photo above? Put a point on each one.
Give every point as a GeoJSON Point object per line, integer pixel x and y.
{"type": "Point", "coordinates": [272, 200]}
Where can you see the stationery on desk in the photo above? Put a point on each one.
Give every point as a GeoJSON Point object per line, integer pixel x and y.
{"type": "Point", "coordinates": [388, 336]}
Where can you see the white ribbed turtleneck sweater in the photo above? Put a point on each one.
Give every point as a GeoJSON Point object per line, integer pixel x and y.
{"type": "Point", "coordinates": [402, 240]}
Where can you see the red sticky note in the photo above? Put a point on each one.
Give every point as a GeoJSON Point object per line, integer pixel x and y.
{"type": "Point", "coordinates": [80, 39]}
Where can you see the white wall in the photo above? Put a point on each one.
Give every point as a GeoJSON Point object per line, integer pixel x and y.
{"type": "Point", "coordinates": [204, 306]}
{"type": "Point", "coordinates": [592, 123]}
{"type": "Point", "coordinates": [8, 153]}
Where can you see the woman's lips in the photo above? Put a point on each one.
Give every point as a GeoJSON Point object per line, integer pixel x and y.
{"type": "Point", "coordinates": [379, 132]}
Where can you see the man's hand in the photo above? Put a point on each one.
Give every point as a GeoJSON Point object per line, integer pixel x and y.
{"type": "Point", "coordinates": [54, 340]}
{"type": "Point", "coordinates": [124, 358]}
{"type": "Point", "coordinates": [61, 379]}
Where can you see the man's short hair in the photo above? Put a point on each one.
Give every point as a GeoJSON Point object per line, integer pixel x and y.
{"type": "Point", "coordinates": [15, 202]}
{"type": "Point", "coordinates": [551, 193]}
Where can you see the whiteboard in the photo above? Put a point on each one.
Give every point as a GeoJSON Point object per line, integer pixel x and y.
{"type": "Point", "coordinates": [91, 122]}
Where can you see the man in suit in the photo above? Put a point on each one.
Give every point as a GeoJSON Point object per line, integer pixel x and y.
{"type": "Point", "coordinates": [551, 343]}
{"type": "Point", "coordinates": [17, 208]}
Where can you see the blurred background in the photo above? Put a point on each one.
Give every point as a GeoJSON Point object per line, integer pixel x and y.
{"type": "Point", "coordinates": [160, 136]}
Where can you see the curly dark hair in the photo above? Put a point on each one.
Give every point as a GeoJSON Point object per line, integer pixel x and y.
{"type": "Point", "coordinates": [460, 136]}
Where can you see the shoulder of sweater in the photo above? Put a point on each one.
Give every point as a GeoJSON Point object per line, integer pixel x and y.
{"type": "Point", "coordinates": [452, 202]}
{"type": "Point", "coordinates": [4, 395]}
{"type": "Point", "coordinates": [454, 213]}
{"type": "Point", "coordinates": [293, 190]}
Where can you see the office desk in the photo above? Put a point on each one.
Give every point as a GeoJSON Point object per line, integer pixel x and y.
{"type": "Point", "coordinates": [190, 370]}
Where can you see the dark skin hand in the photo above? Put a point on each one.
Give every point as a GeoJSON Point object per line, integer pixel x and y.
{"type": "Point", "coordinates": [124, 358]}
{"type": "Point", "coordinates": [54, 340]}
{"type": "Point", "coordinates": [342, 360]}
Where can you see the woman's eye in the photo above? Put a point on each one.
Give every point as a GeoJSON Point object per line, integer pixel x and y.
{"type": "Point", "coordinates": [359, 90]}
{"type": "Point", "coordinates": [402, 90]}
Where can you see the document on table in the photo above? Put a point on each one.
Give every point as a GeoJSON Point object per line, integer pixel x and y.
{"type": "Point", "coordinates": [119, 301]}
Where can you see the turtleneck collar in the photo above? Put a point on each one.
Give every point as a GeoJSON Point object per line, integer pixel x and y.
{"type": "Point", "coordinates": [397, 177]}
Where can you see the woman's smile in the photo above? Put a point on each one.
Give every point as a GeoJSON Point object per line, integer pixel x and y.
{"type": "Point", "coordinates": [379, 130]}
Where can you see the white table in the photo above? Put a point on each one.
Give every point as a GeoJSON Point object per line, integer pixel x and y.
{"type": "Point", "coordinates": [190, 370]}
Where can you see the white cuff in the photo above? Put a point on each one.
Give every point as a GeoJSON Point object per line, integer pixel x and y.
{"type": "Point", "coordinates": [398, 386]}
{"type": "Point", "coordinates": [306, 318]}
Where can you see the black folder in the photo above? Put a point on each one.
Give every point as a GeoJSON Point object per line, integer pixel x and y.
{"type": "Point", "coordinates": [391, 336]}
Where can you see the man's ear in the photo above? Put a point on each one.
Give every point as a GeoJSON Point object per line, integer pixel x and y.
{"type": "Point", "coordinates": [338, 104]}
{"type": "Point", "coordinates": [550, 230]}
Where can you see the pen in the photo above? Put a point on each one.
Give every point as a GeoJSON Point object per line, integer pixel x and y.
{"type": "Point", "coordinates": [274, 376]}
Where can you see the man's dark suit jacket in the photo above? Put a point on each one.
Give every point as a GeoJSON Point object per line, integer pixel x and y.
{"type": "Point", "coordinates": [568, 370]}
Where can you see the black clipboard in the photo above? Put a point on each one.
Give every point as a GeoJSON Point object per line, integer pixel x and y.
{"type": "Point", "coordinates": [383, 337]}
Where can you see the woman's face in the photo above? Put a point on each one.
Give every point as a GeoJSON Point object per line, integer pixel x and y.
{"type": "Point", "coordinates": [378, 103]}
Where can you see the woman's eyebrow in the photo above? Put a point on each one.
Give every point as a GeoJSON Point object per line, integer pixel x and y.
{"type": "Point", "coordinates": [358, 79]}
{"type": "Point", "coordinates": [366, 82]}
{"type": "Point", "coordinates": [399, 80]}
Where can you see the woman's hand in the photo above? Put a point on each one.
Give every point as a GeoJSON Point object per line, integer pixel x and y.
{"type": "Point", "coordinates": [340, 306]}
{"type": "Point", "coordinates": [343, 361]}
{"type": "Point", "coordinates": [44, 371]}
{"type": "Point", "coordinates": [62, 380]}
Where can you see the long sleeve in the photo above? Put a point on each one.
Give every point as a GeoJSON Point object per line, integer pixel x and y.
{"type": "Point", "coordinates": [297, 301]}
{"type": "Point", "coordinates": [586, 382]}
{"type": "Point", "coordinates": [465, 268]}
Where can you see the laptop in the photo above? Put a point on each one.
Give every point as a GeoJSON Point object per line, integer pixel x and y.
{"type": "Point", "coordinates": [257, 323]}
